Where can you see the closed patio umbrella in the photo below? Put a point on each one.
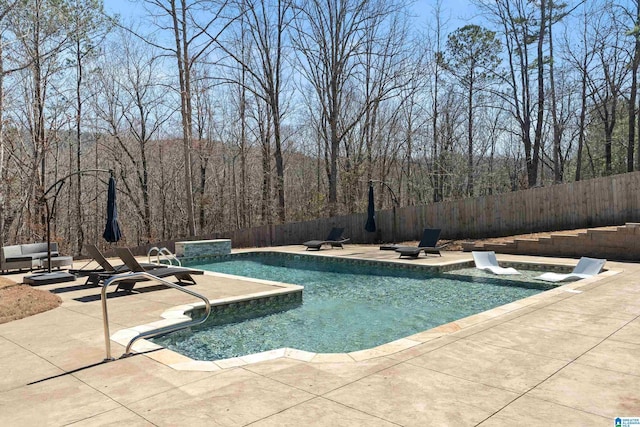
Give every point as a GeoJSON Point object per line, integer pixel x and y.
{"type": "Point", "coordinates": [112, 231]}
{"type": "Point", "coordinates": [370, 226]}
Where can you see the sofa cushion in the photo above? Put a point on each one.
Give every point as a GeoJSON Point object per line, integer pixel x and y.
{"type": "Point", "coordinates": [11, 251]}
{"type": "Point", "coordinates": [38, 255]}
{"type": "Point", "coordinates": [29, 248]}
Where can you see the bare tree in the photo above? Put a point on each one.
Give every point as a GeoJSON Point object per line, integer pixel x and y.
{"type": "Point", "coordinates": [554, 14]}
{"type": "Point", "coordinates": [263, 60]}
{"type": "Point", "coordinates": [88, 27]}
{"type": "Point", "coordinates": [523, 23]}
{"type": "Point", "coordinates": [192, 24]}
{"type": "Point", "coordinates": [630, 18]}
{"type": "Point", "coordinates": [41, 34]}
{"type": "Point", "coordinates": [4, 71]}
{"type": "Point", "coordinates": [131, 102]}
{"type": "Point", "coordinates": [389, 67]}
{"type": "Point", "coordinates": [606, 81]}
{"type": "Point", "coordinates": [330, 38]}
{"type": "Point", "coordinates": [204, 125]}
{"type": "Point", "coordinates": [580, 54]}
{"type": "Point", "coordinates": [436, 63]}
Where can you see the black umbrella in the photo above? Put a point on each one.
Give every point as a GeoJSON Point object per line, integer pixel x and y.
{"type": "Point", "coordinates": [112, 231]}
{"type": "Point", "coordinates": [371, 213]}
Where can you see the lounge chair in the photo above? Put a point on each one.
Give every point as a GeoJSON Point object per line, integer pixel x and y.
{"type": "Point", "coordinates": [183, 274]}
{"type": "Point", "coordinates": [586, 267]}
{"type": "Point", "coordinates": [428, 244]}
{"type": "Point", "coordinates": [105, 265]}
{"type": "Point", "coordinates": [487, 261]}
{"type": "Point", "coordinates": [106, 269]}
{"type": "Point", "coordinates": [334, 239]}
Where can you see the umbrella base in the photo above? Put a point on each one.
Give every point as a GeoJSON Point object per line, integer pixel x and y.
{"type": "Point", "coordinates": [48, 278]}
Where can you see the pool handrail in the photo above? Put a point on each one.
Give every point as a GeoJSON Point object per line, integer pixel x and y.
{"type": "Point", "coordinates": [153, 332]}
{"type": "Point", "coordinates": [166, 254]}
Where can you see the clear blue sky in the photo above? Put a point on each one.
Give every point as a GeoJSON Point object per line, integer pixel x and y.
{"type": "Point", "coordinates": [123, 7]}
{"type": "Point", "coordinates": [455, 13]}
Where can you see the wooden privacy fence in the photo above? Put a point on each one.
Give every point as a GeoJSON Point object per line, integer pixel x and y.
{"type": "Point", "coordinates": [591, 203]}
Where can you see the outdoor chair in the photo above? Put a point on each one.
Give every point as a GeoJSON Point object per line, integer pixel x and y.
{"type": "Point", "coordinates": [428, 244]}
{"type": "Point", "coordinates": [586, 267]}
{"type": "Point", "coordinates": [334, 239]}
{"type": "Point", "coordinates": [487, 261]}
{"type": "Point", "coordinates": [183, 274]}
{"type": "Point", "coordinates": [106, 269]}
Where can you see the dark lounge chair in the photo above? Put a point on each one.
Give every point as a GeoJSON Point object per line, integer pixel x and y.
{"type": "Point", "coordinates": [106, 270]}
{"type": "Point", "coordinates": [183, 274]}
{"type": "Point", "coordinates": [334, 239]}
{"type": "Point", "coordinates": [428, 244]}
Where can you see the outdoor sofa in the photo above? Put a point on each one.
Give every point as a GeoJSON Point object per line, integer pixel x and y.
{"type": "Point", "coordinates": [29, 256]}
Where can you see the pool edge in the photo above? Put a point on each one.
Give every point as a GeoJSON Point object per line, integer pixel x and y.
{"type": "Point", "coordinates": [178, 314]}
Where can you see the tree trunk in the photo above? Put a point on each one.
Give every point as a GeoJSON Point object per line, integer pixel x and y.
{"type": "Point", "coordinates": [582, 124]}
{"type": "Point", "coordinates": [265, 136]}
{"type": "Point", "coordinates": [277, 139]}
{"type": "Point", "coordinates": [633, 93]}
{"type": "Point", "coordinates": [470, 138]}
{"type": "Point", "coordinates": [533, 170]}
{"type": "Point", "coordinates": [3, 196]}
{"type": "Point", "coordinates": [79, 217]}
{"type": "Point", "coordinates": [182, 56]}
{"type": "Point", "coordinates": [334, 147]}
{"type": "Point", "coordinates": [558, 173]}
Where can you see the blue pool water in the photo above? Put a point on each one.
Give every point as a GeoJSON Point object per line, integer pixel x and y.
{"type": "Point", "coordinates": [345, 307]}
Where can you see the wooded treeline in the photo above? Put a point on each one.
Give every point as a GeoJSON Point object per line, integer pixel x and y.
{"type": "Point", "coordinates": [218, 115]}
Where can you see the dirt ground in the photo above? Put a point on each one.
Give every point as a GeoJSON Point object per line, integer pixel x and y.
{"type": "Point", "coordinates": [18, 301]}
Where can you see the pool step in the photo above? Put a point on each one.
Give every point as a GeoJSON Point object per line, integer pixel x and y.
{"type": "Point", "coordinates": [618, 242]}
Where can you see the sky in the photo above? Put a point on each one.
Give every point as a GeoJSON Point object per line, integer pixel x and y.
{"type": "Point", "coordinates": [456, 13]}
{"type": "Point", "coordinates": [126, 8]}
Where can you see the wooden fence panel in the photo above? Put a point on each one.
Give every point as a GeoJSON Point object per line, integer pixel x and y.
{"type": "Point", "coordinates": [597, 202]}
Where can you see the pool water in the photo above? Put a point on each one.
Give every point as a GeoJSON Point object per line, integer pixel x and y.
{"type": "Point", "coordinates": [345, 307]}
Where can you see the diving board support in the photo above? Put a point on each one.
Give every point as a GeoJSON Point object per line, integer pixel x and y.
{"type": "Point", "coordinates": [154, 332]}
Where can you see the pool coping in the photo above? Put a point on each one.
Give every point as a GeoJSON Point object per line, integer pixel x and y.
{"type": "Point", "coordinates": [178, 314]}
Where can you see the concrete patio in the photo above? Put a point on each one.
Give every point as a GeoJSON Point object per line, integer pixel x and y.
{"type": "Point", "coordinates": [569, 356]}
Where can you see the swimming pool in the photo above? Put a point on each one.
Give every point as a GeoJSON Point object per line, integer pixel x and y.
{"type": "Point", "coordinates": [346, 307]}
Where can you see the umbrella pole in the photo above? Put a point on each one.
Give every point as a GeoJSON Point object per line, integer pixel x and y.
{"type": "Point", "coordinates": [46, 203]}
{"type": "Point", "coordinates": [395, 205]}
{"type": "Point", "coordinates": [393, 226]}
{"type": "Point", "coordinates": [50, 212]}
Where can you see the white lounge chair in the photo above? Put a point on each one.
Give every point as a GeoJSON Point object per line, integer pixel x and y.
{"type": "Point", "coordinates": [487, 261]}
{"type": "Point", "coordinates": [586, 267]}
